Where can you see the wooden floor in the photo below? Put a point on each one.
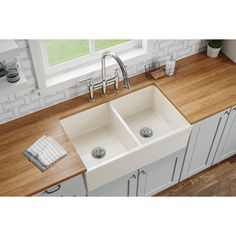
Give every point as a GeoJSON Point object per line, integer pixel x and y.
{"type": "Point", "coordinates": [219, 180]}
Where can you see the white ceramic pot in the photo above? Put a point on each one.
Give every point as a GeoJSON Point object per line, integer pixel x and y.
{"type": "Point", "coordinates": [213, 52]}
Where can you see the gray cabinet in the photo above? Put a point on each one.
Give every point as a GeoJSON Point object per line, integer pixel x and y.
{"type": "Point", "coordinates": [72, 187]}
{"type": "Point", "coordinates": [203, 143]}
{"type": "Point", "coordinates": [146, 181]}
{"type": "Point", "coordinates": [124, 186]}
{"type": "Point", "coordinates": [160, 174]}
{"type": "Point", "coordinates": [227, 145]}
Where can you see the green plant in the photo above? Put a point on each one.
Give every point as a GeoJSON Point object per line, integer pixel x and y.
{"type": "Point", "coordinates": [215, 43]}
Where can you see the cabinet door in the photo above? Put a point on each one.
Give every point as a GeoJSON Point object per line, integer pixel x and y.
{"type": "Point", "coordinates": [227, 146]}
{"type": "Point", "coordinates": [72, 187]}
{"type": "Point", "coordinates": [203, 143]}
{"type": "Point", "coordinates": [124, 186]}
{"type": "Point", "coordinates": [160, 174]}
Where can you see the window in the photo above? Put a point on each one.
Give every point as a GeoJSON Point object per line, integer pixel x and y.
{"type": "Point", "coordinates": [55, 57]}
{"type": "Point", "coordinates": [59, 51]}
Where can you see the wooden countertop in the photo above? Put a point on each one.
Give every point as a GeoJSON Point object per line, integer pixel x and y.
{"type": "Point", "coordinates": [201, 87]}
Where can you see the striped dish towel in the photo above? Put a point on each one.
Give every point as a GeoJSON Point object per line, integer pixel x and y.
{"type": "Point", "coordinates": [44, 152]}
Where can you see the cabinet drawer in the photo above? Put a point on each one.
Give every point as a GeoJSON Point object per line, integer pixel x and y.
{"type": "Point", "coordinates": [72, 187]}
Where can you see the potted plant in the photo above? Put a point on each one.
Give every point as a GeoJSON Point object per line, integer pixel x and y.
{"type": "Point", "coordinates": [213, 48]}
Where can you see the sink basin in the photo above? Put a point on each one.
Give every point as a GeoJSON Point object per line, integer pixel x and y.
{"type": "Point", "coordinates": [121, 136]}
{"type": "Point", "coordinates": [149, 109]}
{"type": "Point", "coordinates": [98, 128]}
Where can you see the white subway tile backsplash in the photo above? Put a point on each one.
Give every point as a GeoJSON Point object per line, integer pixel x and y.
{"type": "Point", "coordinates": [55, 98]}
{"type": "Point", "coordinates": [1, 109]}
{"type": "Point", "coordinates": [34, 96]}
{"type": "Point", "coordinates": [67, 94]}
{"type": "Point", "coordinates": [16, 111]}
{"type": "Point", "coordinates": [27, 99]}
{"type": "Point", "coordinates": [5, 115]}
{"type": "Point", "coordinates": [29, 107]}
{"type": "Point", "coordinates": [165, 43]}
{"type": "Point", "coordinates": [11, 97]}
{"type": "Point", "coordinates": [25, 102]}
{"type": "Point", "coordinates": [159, 53]}
{"type": "Point", "coordinates": [175, 48]}
{"type": "Point", "coordinates": [184, 53]}
{"type": "Point", "coordinates": [3, 99]}
{"type": "Point", "coordinates": [11, 105]}
{"type": "Point", "coordinates": [42, 102]}
{"type": "Point", "coordinates": [22, 93]}
{"type": "Point", "coordinates": [186, 44]}
{"type": "Point", "coordinates": [193, 42]}
{"type": "Point", "coordinates": [73, 91]}
{"type": "Point", "coordinates": [178, 41]}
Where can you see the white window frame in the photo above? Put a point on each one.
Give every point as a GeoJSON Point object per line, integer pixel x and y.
{"type": "Point", "coordinates": [44, 72]}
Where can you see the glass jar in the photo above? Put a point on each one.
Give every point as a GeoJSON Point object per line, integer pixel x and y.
{"type": "Point", "coordinates": [11, 69]}
{"type": "Point", "coordinates": [2, 70]}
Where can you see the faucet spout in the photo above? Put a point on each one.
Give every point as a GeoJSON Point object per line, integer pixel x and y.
{"type": "Point", "coordinates": [122, 67]}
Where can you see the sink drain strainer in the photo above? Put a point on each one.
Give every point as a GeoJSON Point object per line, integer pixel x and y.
{"type": "Point", "coordinates": [98, 152]}
{"type": "Point", "coordinates": [146, 132]}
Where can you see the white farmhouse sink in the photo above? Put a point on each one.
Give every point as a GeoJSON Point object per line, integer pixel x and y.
{"type": "Point", "coordinates": [98, 127]}
{"type": "Point", "coordinates": [117, 127]}
{"type": "Point", "coordinates": [149, 108]}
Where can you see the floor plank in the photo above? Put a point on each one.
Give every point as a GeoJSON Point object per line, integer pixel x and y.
{"type": "Point", "coordinates": [218, 180]}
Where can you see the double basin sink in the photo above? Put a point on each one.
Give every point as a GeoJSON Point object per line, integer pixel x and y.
{"type": "Point", "coordinates": [125, 134]}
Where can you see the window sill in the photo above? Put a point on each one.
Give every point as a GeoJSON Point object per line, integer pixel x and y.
{"type": "Point", "coordinates": [74, 77]}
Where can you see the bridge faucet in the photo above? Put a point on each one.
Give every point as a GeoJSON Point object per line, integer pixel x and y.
{"type": "Point", "coordinates": [122, 67]}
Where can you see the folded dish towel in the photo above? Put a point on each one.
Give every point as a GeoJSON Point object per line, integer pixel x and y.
{"type": "Point", "coordinates": [44, 152]}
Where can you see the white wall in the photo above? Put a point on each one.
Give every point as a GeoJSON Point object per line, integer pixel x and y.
{"type": "Point", "coordinates": [229, 49]}
{"type": "Point", "coordinates": [26, 102]}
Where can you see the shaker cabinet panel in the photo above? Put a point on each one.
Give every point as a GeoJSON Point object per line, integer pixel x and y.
{"type": "Point", "coordinates": [203, 143]}
{"type": "Point", "coordinates": [124, 186]}
{"type": "Point", "coordinates": [227, 146]}
{"type": "Point", "coordinates": [160, 174]}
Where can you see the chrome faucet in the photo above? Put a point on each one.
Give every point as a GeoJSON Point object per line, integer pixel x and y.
{"type": "Point", "coordinates": [104, 81]}
{"type": "Point", "coordinates": [122, 67]}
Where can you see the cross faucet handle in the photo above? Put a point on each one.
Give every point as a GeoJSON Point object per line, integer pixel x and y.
{"type": "Point", "coordinates": [91, 81]}
{"type": "Point", "coordinates": [91, 89]}
{"type": "Point", "coordinates": [116, 81]}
